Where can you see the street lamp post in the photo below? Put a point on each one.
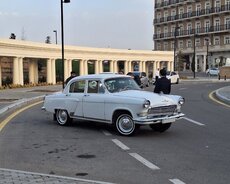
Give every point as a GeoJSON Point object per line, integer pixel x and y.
{"type": "Point", "coordinates": [207, 44]}
{"type": "Point", "coordinates": [62, 42]}
{"type": "Point", "coordinates": [194, 56]}
{"type": "Point", "coordinates": [55, 31]}
{"type": "Point", "coordinates": [175, 45]}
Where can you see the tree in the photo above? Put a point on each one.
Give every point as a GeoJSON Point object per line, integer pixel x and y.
{"type": "Point", "coordinates": [48, 40]}
{"type": "Point", "coordinates": [181, 61]}
{"type": "Point", "coordinates": [12, 36]}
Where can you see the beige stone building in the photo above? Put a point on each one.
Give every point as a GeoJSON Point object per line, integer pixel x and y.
{"type": "Point", "coordinates": [31, 62]}
{"type": "Point", "coordinates": [181, 24]}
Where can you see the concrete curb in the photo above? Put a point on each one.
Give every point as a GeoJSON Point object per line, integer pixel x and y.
{"type": "Point", "coordinates": [20, 103]}
{"type": "Point", "coordinates": [222, 97]}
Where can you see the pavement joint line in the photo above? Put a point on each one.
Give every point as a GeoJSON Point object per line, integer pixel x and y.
{"type": "Point", "coordinates": [193, 121]}
{"type": "Point", "coordinates": [176, 181]}
{"type": "Point", "coordinates": [120, 144]}
{"type": "Point", "coordinates": [144, 161]}
{"type": "Point", "coordinates": [55, 176]}
{"type": "Point", "coordinates": [5, 121]}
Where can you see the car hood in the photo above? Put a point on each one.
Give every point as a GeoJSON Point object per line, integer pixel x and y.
{"type": "Point", "coordinates": [154, 98]}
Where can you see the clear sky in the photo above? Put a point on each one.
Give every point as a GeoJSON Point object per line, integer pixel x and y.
{"type": "Point", "coordinates": [125, 24]}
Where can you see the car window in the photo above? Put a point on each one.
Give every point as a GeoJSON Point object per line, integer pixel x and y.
{"type": "Point", "coordinates": [77, 87]}
{"type": "Point", "coordinates": [92, 86]}
{"type": "Point", "coordinates": [120, 84]}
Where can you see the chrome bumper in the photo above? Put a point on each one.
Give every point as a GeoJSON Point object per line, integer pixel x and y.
{"type": "Point", "coordinates": [154, 120]}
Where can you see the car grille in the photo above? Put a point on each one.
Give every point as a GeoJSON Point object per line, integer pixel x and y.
{"type": "Point", "coordinates": [163, 110]}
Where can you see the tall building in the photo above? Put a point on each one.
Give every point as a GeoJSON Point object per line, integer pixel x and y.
{"type": "Point", "coordinates": [194, 26]}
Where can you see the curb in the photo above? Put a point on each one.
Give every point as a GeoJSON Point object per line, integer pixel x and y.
{"type": "Point", "coordinates": [20, 103]}
{"type": "Point", "coordinates": [221, 97]}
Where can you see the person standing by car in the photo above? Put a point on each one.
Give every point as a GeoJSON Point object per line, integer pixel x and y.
{"type": "Point", "coordinates": [163, 84]}
{"type": "Point", "coordinates": [72, 75]}
{"type": "Point", "coordinates": [135, 77]}
{"type": "Point", "coordinates": [157, 74]}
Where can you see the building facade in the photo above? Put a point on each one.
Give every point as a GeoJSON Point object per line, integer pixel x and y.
{"type": "Point", "coordinates": [193, 26]}
{"type": "Point", "coordinates": [23, 62]}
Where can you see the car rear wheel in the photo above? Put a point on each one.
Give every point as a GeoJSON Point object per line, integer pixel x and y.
{"type": "Point", "coordinates": [159, 127]}
{"type": "Point", "coordinates": [125, 124]}
{"type": "Point", "coordinates": [62, 117]}
{"type": "Point", "coordinates": [177, 81]}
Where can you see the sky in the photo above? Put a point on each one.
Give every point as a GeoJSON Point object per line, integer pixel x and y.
{"type": "Point", "coordinates": [121, 24]}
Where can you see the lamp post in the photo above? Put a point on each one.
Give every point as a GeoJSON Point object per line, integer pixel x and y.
{"type": "Point", "coordinates": [207, 44]}
{"type": "Point", "coordinates": [55, 31]}
{"type": "Point", "coordinates": [62, 42]}
{"type": "Point", "coordinates": [194, 55]}
{"type": "Point", "coordinates": [175, 45]}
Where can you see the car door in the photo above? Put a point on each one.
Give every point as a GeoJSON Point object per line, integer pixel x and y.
{"type": "Point", "coordinates": [93, 101]}
{"type": "Point", "coordinates": [75, 96]}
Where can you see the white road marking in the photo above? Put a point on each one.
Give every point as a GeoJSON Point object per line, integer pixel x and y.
{"type": "Point", "coordinates": [182, 88]}
{"type": "Point", "coordinates": [107, 133]}
{"type": "Point", "coordinates": [120, 144]}
{"type": "Point", "coordinates": [144, 161]}
{"type": "Point", "coordinates": [176, 181]}
{"type": "Point", "coordinates": [193, 121]}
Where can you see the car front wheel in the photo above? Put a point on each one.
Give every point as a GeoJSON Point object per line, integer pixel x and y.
{"type": "Point", "coordinates": [62, 117]}
{"type": "Point", "coordinates": [125, 124]}
{"type": "Point", "coordinates": [159, 127]}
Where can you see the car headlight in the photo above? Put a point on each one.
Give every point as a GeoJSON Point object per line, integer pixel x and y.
{"type": "Point", "coordinates": [181, 101]}
{"type": "Point", "coordinates": [146, 104]}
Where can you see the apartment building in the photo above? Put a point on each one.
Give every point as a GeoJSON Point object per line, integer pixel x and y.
{"type": "Point", "coordinates": [194, 26]}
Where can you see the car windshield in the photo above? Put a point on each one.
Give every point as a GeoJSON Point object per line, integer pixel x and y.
{"type": "Point", "coordinates": [120, 84]}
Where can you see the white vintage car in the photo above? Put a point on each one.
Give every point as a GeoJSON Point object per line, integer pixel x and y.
{"type": "Point", "coordinates": [115, 99]}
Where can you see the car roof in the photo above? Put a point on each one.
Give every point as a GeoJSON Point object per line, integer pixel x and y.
{"type": "Point", "coordinates": [100, 76]}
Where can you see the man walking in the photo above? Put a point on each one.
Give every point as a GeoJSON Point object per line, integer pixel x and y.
{"type": "Point", "coordinates": [163, 85]}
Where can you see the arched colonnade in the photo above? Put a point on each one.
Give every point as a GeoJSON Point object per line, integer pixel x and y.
{"type": "Point", "coordinates": [23, 53]}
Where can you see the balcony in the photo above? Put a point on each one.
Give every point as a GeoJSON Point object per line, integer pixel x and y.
{"type": "Point", "coordinates": [203, 12]}
{"type": "Point", "coordinates": [191, 32]}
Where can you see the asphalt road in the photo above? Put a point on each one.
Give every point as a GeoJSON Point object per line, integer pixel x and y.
{"type": "Point", "coordinates": [195, 150]}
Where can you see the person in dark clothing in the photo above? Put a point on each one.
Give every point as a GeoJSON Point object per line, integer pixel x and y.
{"type": "Point", "coordinates": [72, 75]}
{"type": "Point", "coordinates": [137, 79]}
{"type": "Point", "coordinates": [163, 84]}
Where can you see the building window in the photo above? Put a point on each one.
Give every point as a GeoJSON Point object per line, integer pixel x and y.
{"type": "Point", "coordinates": [181, 44]}
{"type": "Point", "coordinates": [173, 14]}
{"type": "Point", "coordinates": [189, 43]}
{"type": "Point", "coordinates": [217, 6]}
{"type": "Point", "coordinates": [207, 7]}
{"type": "Point", "coordinates": [158, 15]}
{"type": "Point", "coordinates": [181, 11]}
{"type": "Point", "coordinates": [217, 41]}
{"type": "Point", "coordinates": [165, 15]}
{"type": "Point", "coordinates": [198, 9]}
{"type": "Point", "coordinates": [189, 11]}
{"type": "Point", "coordinates": [227, 23]}
{"type": "Point", "coordinates": [172, 45]}
{"type": "Point", "coordinates": [158, 46]}
{"type": "Point", "coordinates": [198, 27]}
{"type": "Point", "coordinates": [165, 31]}
{"type": "Point", "coordinates": [207, 26]}
{"type": "Point", "coordinates": [165, 46]}
{"type": "Point", "coordinates": [197, 43]}
{"type": "Point", "coordinates": [217, 24]}
{"type": "Point", "coordinates": [227, 40]}
{"type": "Point", "coordinates": [189, 28]}
{"type": "Point", "coordinates": [227, 3]}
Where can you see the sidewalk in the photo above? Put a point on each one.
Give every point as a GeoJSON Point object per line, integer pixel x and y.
{"type": "Point", "coordinates": [14, 98]}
